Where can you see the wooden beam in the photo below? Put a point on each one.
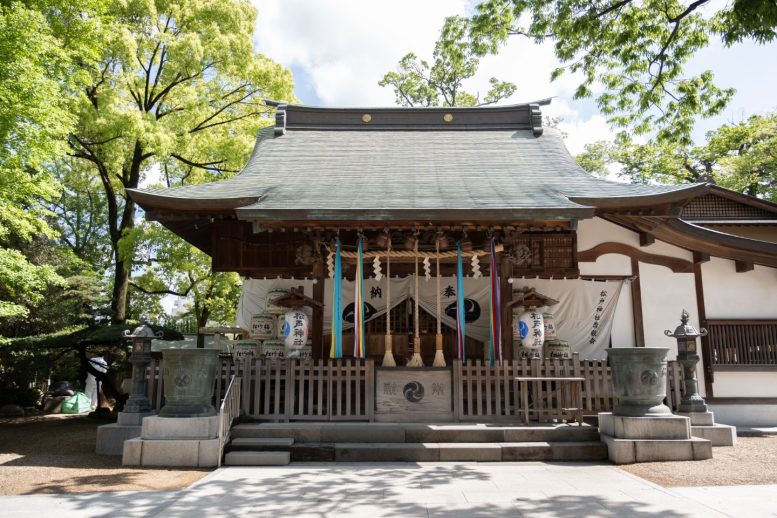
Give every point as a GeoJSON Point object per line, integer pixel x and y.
{"type": "Point", "coordinates": [700, 257]}
{"type": "Point", "coordinates": [646, 239]}
{"type": "Point", "coordinates": [706, 351]}
{"type": "Point", "coordinates": [673, 263]}
{"type": "Point", "coordinates": [318, 321]}
{"type": "Point", "coordinates": [506, 289]}
{"type": "Point", "coordinates": [743, 266]}
{"type": "Point", "coordinates": [636, 305]}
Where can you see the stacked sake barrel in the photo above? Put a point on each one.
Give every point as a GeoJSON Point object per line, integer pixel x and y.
{"type": "Point", "coordinates": [274, 330]}
{"type": "Point", "coordinates": [553, 347]}
{"type": "Point", "coordinates": [534, 336]}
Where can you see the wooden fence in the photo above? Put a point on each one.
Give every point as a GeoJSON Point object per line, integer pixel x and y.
{"type": "Point", "coordinates": [344, 390]}
{"type": "Point", "coordinates": [743, 343]}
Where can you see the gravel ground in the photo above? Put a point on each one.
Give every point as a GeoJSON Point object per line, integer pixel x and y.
{"type": "Point", "coordinates": [751, 461]}
{"type": "Point", "coordinates": [55, 454]}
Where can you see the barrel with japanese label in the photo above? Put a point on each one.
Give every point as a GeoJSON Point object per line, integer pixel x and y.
{"type": "Point", "coordinates": [273, 294]}
{"type": "Point", "coordinates": [273, 350]}
{"type": "Point", "coordinates": [549, 322]}
{"type": "Point", "coordinates": [244, 349]}
{"type": "Point", "coordinates": [521, 352]}
{"type": "Point", "coordinates": [263, 326]}
{"type": "Point", "coordinates": [557, 349]}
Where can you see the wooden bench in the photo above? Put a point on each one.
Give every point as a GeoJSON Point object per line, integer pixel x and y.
{"type": "Point", "coordinates": [575, 391]}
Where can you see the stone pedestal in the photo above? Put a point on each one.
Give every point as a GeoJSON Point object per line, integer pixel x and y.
{"type": "Point", "coordinates": [174, 441]}
{"type": "Point", "coordinates": [703, 426]}
{"type": "Point", "coordinates": [651, 438]}
{"type": "Point", "coordinates": [111, 437]}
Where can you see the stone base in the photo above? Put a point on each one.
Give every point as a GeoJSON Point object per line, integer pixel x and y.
{"type": "Point", "coordinates": [661, 428]}
{"type": "Point", "coordinates": [132, 418]}
{"type": "Point", "coordinates": [168, 428]}
{"type": "Point", "coordinates": [111, 437]}
{"type": "Point", "coordinates": [174, 441]}
{"type": "Point", "coordinates": [179, 453]}
{"type": "Point", "coordinates": [629, 451]}
{"type": "Point", "coordinates": [718, 434]}
{"type": "Point", "coordinates": [699, 418]}
{"type": "Point", "coordinates": [649, 439]}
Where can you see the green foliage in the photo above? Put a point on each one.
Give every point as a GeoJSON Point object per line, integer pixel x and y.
{"type": "Point", "coordinates": [419, 83]}
{"type": "Point", "coordinates": [174, 267]}
{"type": "Point", "coordinates": [178, 89]}
{"type": "Point", "coordinates": [739, 156]}
{"type": "Point", "coordinates": [636, 50]}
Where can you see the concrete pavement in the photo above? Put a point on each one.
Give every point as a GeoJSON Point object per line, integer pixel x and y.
{"type": "Point", "coordinates": [529, 489]}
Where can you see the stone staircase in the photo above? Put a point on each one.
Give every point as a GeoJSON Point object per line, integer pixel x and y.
{"type": "Point", "coordinates": [263, 444]}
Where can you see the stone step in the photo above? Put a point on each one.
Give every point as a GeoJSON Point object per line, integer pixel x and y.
{"type": "Point", "coordinates": [446, 452]}
{"type": "Point", "coordinates": [415, 433]}
{"type": "Point", "coordinates": [260, 443]}
{"type": "Point", "coordinates": [629, 451]}
{"type": "Point", "coordinates": [717, 434]}
{"type": "Point", "coordinates": [257, 458]}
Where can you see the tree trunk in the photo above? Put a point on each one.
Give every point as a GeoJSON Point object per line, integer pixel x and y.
{"type": "Point", "coordinates": [202, 321]}
{"type": "Point", "coordinates": [120, 288]}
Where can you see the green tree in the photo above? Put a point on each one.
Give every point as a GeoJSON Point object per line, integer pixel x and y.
{"type": "Point", "coordinates": [178, 89]}
{"type": "Point", "coordinates": [41, 49]}
{"type": "Point", "coordinates": [419, 83]}
{"type": "Point", "coordinates": [636, 50]}
{"type": "Point", "coordinates": [174, 267]}
{"type": "Point", "coordinates": [741, 156]}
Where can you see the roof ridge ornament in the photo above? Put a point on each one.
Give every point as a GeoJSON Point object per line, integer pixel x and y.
{"type": "Point", "coordinates": [536, 119]}
{"type": "Point", "coordinates": [280, 119]}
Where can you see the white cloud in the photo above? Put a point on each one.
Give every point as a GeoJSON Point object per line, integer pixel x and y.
{"type": "Point", "coordinates": [345, 47]}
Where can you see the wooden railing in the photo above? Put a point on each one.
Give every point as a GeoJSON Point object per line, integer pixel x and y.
{"type": "Point", "coordinates": [229, 410]}
{"type": "Point", "coordinates": [344, 390]}
{"type": "Point", "coordinates": [743, 343]}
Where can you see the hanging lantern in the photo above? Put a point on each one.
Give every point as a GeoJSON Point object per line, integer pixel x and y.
{"type": "Point", "coordinates": [295, 329]}
{"type": "Point", "coordinates": [531, 329]}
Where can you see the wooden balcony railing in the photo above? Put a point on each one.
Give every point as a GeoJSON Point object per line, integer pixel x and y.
{"type": "Point", "coordinates": [747, 344]}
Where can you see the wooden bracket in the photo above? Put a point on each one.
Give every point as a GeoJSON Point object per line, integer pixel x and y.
{"type": "Point", "coordinates": [673, 263]}
{"type": "Point", "coordinates": [743, 266]}
{"type": "Point", "coordinates": [646, 239]}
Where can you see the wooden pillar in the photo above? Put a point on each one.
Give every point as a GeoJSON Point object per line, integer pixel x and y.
{"type": "Point", "coordinates": [706, 356]}
{"type": "Point", "coordinates": [506, 290]}
{"type": "Point", "coordinates": [636, 305]}
{"type": "Point", "coordinates": [319, 350]}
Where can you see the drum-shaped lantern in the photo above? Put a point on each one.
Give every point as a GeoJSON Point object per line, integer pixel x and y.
{"type": "Point", "coordinates": [295, 329]}
{"type": "Point", "coordinates": [531, 329]}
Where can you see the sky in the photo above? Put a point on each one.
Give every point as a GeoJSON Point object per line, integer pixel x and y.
{"type": "Point", "coordinates": [338, 50]}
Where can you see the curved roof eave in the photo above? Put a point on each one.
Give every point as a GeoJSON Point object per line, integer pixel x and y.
{"type": "Point", "coordinates": [150, 200]}
{"type": "Point", "coordinates": [643, 200]}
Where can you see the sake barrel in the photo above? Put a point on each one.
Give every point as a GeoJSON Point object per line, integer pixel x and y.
{"type": "Point", "coordinates": [273, 294]}
{"type": "Point", "coordinates": [279, 334]}
{"type": "Point", "coordinates": [263, 326]}
{"type": "Point", "coordinates": [557, 349]}
{"type": "Point", "coordinates": [520, 352]}
{"type": "Point", "coordinates": [531, 329]}
{"type": "Point", "coordinates": [549, 321]}
{"type": "Point", "coordinates": [295, 329]}
{"type": "Point", "coordinates": [243, 349]}
{"type": "Point", "coordinates": [273, 349]}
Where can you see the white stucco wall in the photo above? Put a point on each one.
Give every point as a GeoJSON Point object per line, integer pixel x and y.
{"type": "Point", "coordinates": [728, 294]}
{"type": "Point", "coordinates": [745, 384]}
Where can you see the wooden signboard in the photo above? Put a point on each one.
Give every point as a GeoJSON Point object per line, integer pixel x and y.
{"type": "Point", "coordinates": [404, 394]}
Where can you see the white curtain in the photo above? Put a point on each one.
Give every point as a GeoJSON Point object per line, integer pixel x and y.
{"type": "Point", "coordinates": [584, 314]}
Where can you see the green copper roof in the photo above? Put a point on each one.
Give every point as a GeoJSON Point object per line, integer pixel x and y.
{"type": "Point", "coordinates": [319, 164]}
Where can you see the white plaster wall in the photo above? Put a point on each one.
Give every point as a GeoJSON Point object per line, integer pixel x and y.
{"type": "Point", "coordinates": [664, 296]}
{"type": "Point", "coordinates": [595, 231]}
{"type": "Point", "coordinates": [745, 384]}
{"type": "Point", "coordinates": [728, 294]}
{"type": "Point", "coordinates": [622, 334]}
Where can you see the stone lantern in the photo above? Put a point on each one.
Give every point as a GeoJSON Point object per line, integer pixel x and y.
{"type": "Point", "coordinates": [138, 405]}
{"type": "Point", "coordinates": [687, 355]}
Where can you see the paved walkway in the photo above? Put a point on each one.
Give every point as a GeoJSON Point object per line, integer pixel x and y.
{"type": "Point", "coordinates": [530, 489]}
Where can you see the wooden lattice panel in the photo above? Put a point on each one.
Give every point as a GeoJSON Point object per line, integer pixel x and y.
{"type": "Point", "coordinates": [543, 254]}
{"type": "Point", "coordinates": [715, 207]}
